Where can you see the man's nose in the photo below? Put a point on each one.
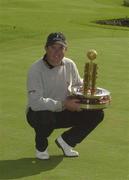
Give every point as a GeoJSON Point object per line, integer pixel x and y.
{"type": "Point", "coordinates": [57, 51]}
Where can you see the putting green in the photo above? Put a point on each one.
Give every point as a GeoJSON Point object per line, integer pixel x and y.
{"type": "Point", "coordinates": [24, 25]}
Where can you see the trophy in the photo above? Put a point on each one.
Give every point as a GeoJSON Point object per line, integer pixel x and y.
{"type": "Point", "coordinates": [90, 96]}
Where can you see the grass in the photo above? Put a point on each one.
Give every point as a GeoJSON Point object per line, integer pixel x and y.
{"type": "Point", "coordinates": [24, 25]}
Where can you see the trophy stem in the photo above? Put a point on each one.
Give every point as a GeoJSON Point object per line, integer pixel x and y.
{"type": "Point", "coordinates": [89, 79]}
{"type": "Point", "coordinates": [94, 72]}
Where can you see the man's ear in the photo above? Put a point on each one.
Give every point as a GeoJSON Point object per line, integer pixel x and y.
{"type": "Point", "coordinates": [66, 48]}
{"type": "Point", "coordinates": [45, 47]}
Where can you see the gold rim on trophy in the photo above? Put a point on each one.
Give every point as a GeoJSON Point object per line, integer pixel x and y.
{"type": "Point", "coordinates": [90, 96]}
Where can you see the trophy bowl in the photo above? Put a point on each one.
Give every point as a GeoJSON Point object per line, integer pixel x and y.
{"type": "Point", "coordinates": [99, 100]}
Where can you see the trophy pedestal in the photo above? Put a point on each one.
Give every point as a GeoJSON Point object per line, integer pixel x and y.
{"type": "Point", "coordinates": [99, 100]}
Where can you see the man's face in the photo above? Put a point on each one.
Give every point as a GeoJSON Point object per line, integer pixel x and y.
{"type": "Point", "coordinates": [55, 54]}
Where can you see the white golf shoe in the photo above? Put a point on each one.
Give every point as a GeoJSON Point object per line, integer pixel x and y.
{"type": "Point", "coordinates": [67, 150]}
{"type": "Point", "coordinates": [42, 155]}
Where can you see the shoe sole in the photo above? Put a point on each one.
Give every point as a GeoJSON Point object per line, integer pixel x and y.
{"type": "Point", "coordinates": [58, 144]}
{"type": "Point", "coordinates": [42, 158]}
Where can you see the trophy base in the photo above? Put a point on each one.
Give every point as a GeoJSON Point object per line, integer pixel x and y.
{"type": "Point", "coordinates": [99, 100]}
{"type": "Point", "coordinates": [93, 106]}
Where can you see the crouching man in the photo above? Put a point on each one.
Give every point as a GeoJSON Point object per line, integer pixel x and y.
{"type": "Point", "coordinates": [48, 106]}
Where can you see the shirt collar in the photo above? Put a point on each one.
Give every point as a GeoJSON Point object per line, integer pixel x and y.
{"type": "Point", "coordinates": [48, 64]}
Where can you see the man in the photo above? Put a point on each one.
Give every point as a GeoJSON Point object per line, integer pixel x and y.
{"type": "Point", "coordinates": [50, 108]}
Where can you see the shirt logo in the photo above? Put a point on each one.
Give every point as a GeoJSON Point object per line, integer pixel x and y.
{"type": "Point", "coordinates": [32, 91]}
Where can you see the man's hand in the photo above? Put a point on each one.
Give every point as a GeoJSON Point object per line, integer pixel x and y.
{"type": "Point", "coordinates": [72, 104]}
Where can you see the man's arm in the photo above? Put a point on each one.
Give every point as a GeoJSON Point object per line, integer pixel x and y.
{"type": "Point", "coordinates": [35, 94]}
{"type": "Point", "coordinates": [76, 79]}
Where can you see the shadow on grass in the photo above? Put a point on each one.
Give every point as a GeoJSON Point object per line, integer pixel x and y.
{"type": "Point", "coordinates": [11, 169]}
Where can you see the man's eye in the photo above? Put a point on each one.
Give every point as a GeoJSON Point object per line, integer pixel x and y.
{"type": "Point", "coordinates": [53, 47]}
{"type": "Point", "coordinates": [62, 48]}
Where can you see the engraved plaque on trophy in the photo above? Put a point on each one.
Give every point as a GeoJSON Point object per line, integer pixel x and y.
{"type": "Point", "coordinates": [90, 96]}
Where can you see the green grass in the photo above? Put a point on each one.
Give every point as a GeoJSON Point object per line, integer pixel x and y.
{"type": "Point", "coordinates": [24, 25]}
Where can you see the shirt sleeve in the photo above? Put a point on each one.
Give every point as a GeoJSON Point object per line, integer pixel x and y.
{"type": "Point", "coordinates": [35, 94]}
{"type": "Point", "coordinates": [76, 79]}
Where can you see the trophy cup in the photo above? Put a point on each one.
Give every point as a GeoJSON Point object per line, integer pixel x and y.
{"type": "Point", "coordinates": [90, 96]}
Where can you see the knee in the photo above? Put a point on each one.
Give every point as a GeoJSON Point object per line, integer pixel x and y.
{"type": "Point", "coordinates": [99, 116]}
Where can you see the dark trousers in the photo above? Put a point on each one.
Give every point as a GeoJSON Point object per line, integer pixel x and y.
{"type": "Point", "coordinates": [80, 124]}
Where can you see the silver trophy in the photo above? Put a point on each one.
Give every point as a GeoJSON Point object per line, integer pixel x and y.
{"type": "Point", "coordinates": [90, 96]}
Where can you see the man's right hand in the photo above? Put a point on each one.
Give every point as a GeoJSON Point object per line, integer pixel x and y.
{"type": "Point", "coordinates": [72, 104]}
